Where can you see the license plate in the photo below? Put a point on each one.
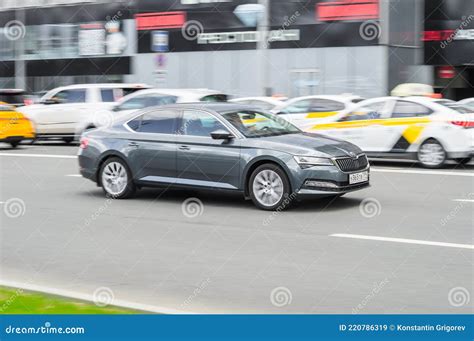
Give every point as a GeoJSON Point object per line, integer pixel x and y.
{"type": "Point", "coordinates": [356, 178]}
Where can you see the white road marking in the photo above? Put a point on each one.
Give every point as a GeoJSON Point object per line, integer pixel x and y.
{"type": "Point", "coordinates": [90, 298]}
{"type": "Point", "coordinates": [403, 240]}
{"type": "Point", "coordinates": [464, 200]}
{"type": "Point", "coordinates": [414, 171]}
{"type": "Point", "coordinates": [78, 175]}
{"type": "Point", "coordinates": [41, 155]}
{"type": "Point", "coordinates": [424, 172]}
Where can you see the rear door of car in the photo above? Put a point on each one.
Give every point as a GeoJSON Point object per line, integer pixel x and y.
{"type": "Point", "coordinates": [62, 116]}
{"type": "Point", "coordinates": [152, 147]}
{"type": "Point", "coordinates": [203, 161]}
{"type": "Point", "coordinates": [406, 124]}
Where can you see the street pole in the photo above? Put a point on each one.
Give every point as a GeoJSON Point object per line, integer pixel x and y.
{"type": "Point", "coordinates": [262, 49]}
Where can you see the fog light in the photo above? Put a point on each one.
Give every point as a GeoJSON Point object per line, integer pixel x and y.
{"type": "Point", "coordinates": [313, 183]}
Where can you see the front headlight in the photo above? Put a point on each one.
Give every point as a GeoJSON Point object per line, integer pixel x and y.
{"type": "Point", "coordinates": [309, 161]}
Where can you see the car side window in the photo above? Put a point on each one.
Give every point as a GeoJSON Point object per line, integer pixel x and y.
{"type": "Point", "coordinates": [107, 95]}
{"type": "Point", "coordinates": [198, 123]}
{"type": "Point", "coordinates": [410, 109]}
{"type": "Point", "coordinates": [160, 100]}
{"type": "Point", "coordinates": [325, 105]}
{"type": "Point", "coordinates": [367, 112]}
{"type": "Point", "coordinates": [71, 96]}
{"type": "Point", "coordinates": [157, 122]}
{"type": "Point", "coordinates": [299, 107]}
{"type": "Point", "coordinates": [134, 103]}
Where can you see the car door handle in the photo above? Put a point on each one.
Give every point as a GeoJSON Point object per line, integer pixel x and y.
{"type": "Point", "coordinates": [184, 148]}
{"type": "Point", "coordinates": [134, 144]}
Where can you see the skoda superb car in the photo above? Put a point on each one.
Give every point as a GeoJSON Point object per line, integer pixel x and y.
{"type": "Point", "coordinates": [223, 147]}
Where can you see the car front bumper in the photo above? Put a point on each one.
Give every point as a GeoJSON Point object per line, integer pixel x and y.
{"type": "Point", "coordinates": [326, 180]}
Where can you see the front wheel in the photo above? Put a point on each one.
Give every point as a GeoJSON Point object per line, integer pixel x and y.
{"type": "Point", "coordinates": [431, 154]}
{"type": "Point", "coordinates": [116, 179]}
{"type": "Point", "coordinates": [269, 188]}
{"type": "Point", "coordinates": [14, 144]}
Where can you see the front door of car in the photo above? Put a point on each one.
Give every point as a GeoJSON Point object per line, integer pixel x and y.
{"type": "Point", "coordinates": [151, 149]}
{"type": "Point", "coordinates": [309, 111]}
{"type": "Point", "coordinates": [203, 161]}
{"type": "Point", "coordinates": [63, 112]}
{"type": "Point", "coordinates": [363, 126]}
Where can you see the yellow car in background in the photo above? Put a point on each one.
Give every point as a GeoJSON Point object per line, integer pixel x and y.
{"type": "Point", "coordinates": [14, 126]}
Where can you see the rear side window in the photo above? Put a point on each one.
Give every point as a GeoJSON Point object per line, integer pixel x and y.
{"type": "Point", "coordinates": [157, 122]}
{"type": "Point", "coordinates": [410, 109]}
{"type": "Point", "coordinates": [214, 98]}
{"type": "Point", "coordinates": [115, 94]}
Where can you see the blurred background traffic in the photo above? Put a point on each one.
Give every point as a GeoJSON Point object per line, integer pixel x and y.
{"type": "Point", "coordinates": [68, 66]}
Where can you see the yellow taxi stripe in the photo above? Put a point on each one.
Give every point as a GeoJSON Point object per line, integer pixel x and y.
{"type": "Point", "coordinates": [321, 114]}
{"type": "Point", "coordinates": [366, 123]}
{"type": "Point", "coordinates": [412, 133]}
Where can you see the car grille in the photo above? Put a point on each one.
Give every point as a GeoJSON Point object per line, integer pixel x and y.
{"type": "Point", "coordinates": [349, 164]}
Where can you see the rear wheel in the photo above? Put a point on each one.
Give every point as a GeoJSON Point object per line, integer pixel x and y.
{"type": "Point", "coordinates": [14, 144]}
{"type": "Point", "coordinates": [431, 154]}
{"type": "Point", "coordinates": [68, 140]}
{"type": "Point", "coordinates": [116, 179]}
{"type": "Point", "coordinates": [269, 188]}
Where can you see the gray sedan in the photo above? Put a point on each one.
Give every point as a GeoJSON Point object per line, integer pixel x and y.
{"type": "Point", "coordinates": [223, 147]}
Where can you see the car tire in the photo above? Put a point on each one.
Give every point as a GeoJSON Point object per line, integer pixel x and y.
{"type": "Point", "coordinates": [116, 179]}
{"type": "Point", "coordinates": [68, 140]}
{"type": "Point", "coordinates": [269, 188]}
{"type": "Point", "coordinates": [463, 161]}
{"type": "Point", "coordinates": [14, 144]}
{"type": "Point", "coordinates": [432, 154]}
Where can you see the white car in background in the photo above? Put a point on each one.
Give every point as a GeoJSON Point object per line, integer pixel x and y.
{"type": "Point", "coordinates": [152, 97]}
{"type": "Point", "coordinates": [67, 111]}
{"type": "Point", "coordinates": [468, 103]}
{"type": "Point", "coordinates": [419, 128]}
{"type": "Point", "coordinates": [266, 103]}
{"type": "Point", "coordinates": [303, 111]}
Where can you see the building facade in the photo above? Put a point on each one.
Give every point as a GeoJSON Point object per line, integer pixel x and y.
{"type": "Point", "coordinates": [364, 47]}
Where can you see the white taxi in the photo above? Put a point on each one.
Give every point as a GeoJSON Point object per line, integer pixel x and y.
{"type": "Point", "coordinates": [302, 111]}
{"type": "Point", "coordinates": [430, 131]}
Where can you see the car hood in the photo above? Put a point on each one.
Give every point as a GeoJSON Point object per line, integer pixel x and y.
{"type": "Point", "coordinates": [308, 144]}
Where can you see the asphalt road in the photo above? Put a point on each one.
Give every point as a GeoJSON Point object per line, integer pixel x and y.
{"type": "Point", "coordinates": [229, 257]}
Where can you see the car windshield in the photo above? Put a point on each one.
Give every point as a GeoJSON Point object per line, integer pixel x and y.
{"type": "Point", "coordinates": [258, 124]}
{"type": "Point", "coordinates": [463, 109]}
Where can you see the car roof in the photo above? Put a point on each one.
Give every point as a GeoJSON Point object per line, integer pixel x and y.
{"type": "Point", "coordinates": [180, 92]}
{"type": "Point", "coordinates": [219, 107]}
{"type": "Point", "coordinates": [103, 85]}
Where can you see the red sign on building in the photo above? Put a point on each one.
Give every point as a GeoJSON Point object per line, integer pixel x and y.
{"type": "Point", "coordinates": [347, 10]}
{"type": "Point", "coordinates": [159, 20]}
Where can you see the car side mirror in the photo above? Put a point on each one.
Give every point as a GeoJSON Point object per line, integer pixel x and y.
{"type": "Point", "coordinates": [222, 134]}
{"type": "Point", "coordinates": [50, 101]}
